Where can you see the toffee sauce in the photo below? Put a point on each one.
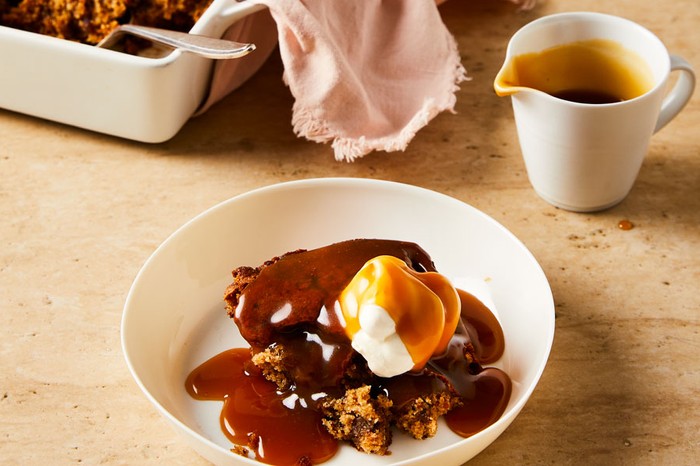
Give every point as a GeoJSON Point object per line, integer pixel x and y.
{"type": "Point", "coordinates": [625, 225]}
{"type": "Point", "coordinates": [587, 96]}
{"type": "Point", "coordinates": [279, 427]}
{"type": "Point", "coordinates": [284, 426]}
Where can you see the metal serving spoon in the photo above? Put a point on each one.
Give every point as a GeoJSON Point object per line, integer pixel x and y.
{"type": "Point", "coordinates": [194, 43]}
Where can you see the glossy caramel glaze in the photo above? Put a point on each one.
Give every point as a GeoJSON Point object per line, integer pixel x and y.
{"type": "Point", "coordinates": [422, 307]}
{"type": "Point", "coordinates": [276, 425]}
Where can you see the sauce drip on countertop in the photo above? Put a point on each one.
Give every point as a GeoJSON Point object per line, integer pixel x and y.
{"type": "Point", "coordinates": [284, 425]}
{"type": "Point", "coordinates": [625, 225]}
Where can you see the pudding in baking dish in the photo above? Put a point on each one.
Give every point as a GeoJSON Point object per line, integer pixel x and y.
{"type": "Point", "coordinates": [91, 21]}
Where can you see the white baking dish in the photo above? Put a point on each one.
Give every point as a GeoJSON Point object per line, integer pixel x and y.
{"type": "Point", "coordinates": [134, 97]}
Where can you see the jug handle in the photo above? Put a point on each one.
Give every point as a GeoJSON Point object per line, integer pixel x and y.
{"type": "Point", "coordinates": [679, 95]}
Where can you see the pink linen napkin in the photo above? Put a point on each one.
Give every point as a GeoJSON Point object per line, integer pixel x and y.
{"type": "Point", "coordinates": [366, 75]}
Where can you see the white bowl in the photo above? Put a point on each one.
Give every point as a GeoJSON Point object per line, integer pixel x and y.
{"type": "Point", "coordinates": [134, 97]}
{"type": "Point", "coordinates": [174, 317]}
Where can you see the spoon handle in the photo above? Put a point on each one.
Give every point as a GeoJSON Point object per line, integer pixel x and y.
{"type": "Point", "coordinates": [201, 45]}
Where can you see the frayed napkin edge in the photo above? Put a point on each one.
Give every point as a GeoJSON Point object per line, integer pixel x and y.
{"type": "Point", "coordinates": [349, 149]}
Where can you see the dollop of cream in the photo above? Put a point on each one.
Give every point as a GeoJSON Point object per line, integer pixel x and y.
{"type": "Point", "coordinates": [397, 318]}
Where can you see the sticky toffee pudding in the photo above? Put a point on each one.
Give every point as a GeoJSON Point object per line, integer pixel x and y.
{"type": "Point", "coordinates": [302, 386]}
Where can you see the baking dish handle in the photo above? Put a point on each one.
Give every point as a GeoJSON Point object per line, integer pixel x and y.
{"type": "Point", "coordinates": [239, 21]}
{"type": "Point", "coordinates": [238, 9]}
{"type": "Point", "coordinates": [221, 15]}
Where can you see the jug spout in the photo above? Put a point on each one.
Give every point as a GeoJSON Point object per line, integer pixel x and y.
{"type": "Point", "coordinates": [506, 82]}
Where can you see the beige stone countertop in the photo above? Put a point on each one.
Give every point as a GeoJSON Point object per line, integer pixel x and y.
{"type": "Point", "coordinates": [81, 212]}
